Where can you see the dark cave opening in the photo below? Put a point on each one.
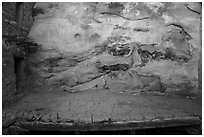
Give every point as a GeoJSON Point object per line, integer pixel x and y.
{"type": "Point", "coordinates": [19, 65]}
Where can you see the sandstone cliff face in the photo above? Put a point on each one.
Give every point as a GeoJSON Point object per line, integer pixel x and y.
{"type": "Point", "coordinates": [125, 47]}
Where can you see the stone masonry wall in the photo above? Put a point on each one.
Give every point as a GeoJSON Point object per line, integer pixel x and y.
{"type": "Point", "coordinates": [9, 27]}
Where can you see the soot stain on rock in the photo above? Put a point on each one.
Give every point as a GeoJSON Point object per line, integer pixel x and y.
{"type": "Point", "coordinates": [37, 11]}
{"type": "Point", "coordinates": [77, 35]}
{"type": "Point", "coordinates": [116, 7]}
{"type": "Point", "coordinates": [115, 51]}
{"type": "Point", "coordinates": [169, 54]}
{"type": "Point", "coordinates": [94, 37]}
{"type": "Point", "coordinates": [141, 29]}
{"type": "Point", "coordinates": [116, 67]}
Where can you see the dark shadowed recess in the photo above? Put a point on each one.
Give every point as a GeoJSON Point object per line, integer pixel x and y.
{"type": "Point", "coordinates": [180, 130]}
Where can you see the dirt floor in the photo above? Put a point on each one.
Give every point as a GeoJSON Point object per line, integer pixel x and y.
{"type": "Point", "coordinates": [99, 105]}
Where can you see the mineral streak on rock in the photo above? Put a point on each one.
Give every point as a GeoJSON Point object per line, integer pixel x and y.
{"type": "Point", "coordinates": [117, 67]}
{"type": "Point", "coordinates": [141, 29]}
{"type": "Point", "coordinates": [85, 44]}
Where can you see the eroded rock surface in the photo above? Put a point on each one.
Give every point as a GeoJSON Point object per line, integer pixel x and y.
{"type": "Point", "coordinates": [125, 47]}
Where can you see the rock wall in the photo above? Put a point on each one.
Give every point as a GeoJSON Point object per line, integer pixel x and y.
{"type": "Point", "coordinates": [125, 47]}
{"type": "Point", "coordinates": [9, 26]}
{"type": "Point", "coordinates": [8, 75]}
{"type": "Point", "coordinates": [10, 50]}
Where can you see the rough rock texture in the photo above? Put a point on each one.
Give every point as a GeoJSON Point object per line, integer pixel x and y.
{"type": "Point", "coordinates": [9, 25]}
{"type": "Point", "coordinates": [48, 110]}
{"type": "Point", "coordinates": [11, 51]}
{"type": "Point", "coordinates": [8, 77]}
{"type": "Point", "coordinates": [124, 47]}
